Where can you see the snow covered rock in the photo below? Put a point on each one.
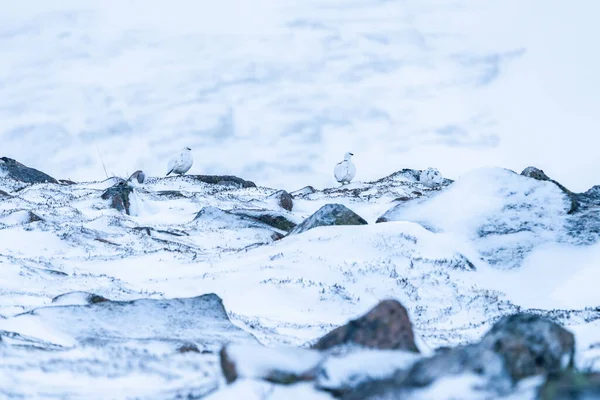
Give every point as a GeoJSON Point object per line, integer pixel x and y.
{"type": "Point", "coordinates": [271, 218]}
{"type": "Point", "coordinates": [504, 215]}
{"type": "Point", "coordinates": [277, 365]}
{"type": "Point", "coordinates": [571, 385]}
{"type": "Point", "coordinates": [4, 194]}
{"type": "Point", "coordinates": [20, 218]}
{"type": "Point", "coordinates": [119, 196]}
{"type": "Point", "coordinates": [78, 298]}
{"type": "Point", "coordinates": [530, 345]}
{"type": "Point", "coordinates": [17, 171]}
{"type": "Point", "coordinates": [200, 320]}
{"type": "Point", "coordinates": [328, 215]}
{"type": "Point", "coordinates": [225, 180]}
{"type": "Point", "coordinates": [284, 199]}
{"type": "Point", "coordinates": [306, 190]}
{"type": "Point", "coordinates": [538, 174]}
{"type": "Point", "coordinates": [431, 177]}
{"type": "Point", "coordinates": [386, 326]}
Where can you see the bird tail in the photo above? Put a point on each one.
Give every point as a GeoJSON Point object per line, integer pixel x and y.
{"type": "Point", "coordinates": [169, 172]}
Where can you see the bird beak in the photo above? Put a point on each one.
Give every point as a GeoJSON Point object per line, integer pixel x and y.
{"type": "Point", "coordinates": [351, 154]}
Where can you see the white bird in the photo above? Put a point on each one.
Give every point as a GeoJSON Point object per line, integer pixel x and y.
{"type": "Point", "coordinates": [181, 163]}
{"type": "Point", "coordinates": [344, 171]}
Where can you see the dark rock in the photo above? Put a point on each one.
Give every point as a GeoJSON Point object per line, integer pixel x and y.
{"type": "Point", "coordinates": [387, 326]}
{"type": "Point", "coordinates": [530, 345]}
{"type": "Point", "coordinates": [67, 182]}
{"type": "Point", "coordinates": [138, 175]}
{"type": "Point", "coordinates": [32, 217]}
{"type": "Point", "coordinates": [79, 298]}
{"type": "Point", "coordinates": [306, 190]}
{"type": "Point", "coordinates": [270, 218]}
{"type": "Point", "coordinates": [328, 215]}
{"type": "Point", "coordinates": [119, 196]}
{"type": "Point", "coordinates": [4, 194]}
{"type": "Point", "coordinates": [277, 365]}
{"type": "Point", "coordinates": [538, 174]}
{"type": "Point", "coordinates": [225, 180]}
{"type": "Point", "coordinates": [284, 199]}
{"type": "Point", "coordinates": [571, 385]}
{"type": "Point", "coordinates": [170, 193]}
{"type": "Point", "coordinates": [22, 173]}
{"type": "Point", "coordinates": [188, 348]}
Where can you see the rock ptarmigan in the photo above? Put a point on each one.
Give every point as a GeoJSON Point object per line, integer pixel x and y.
{"type": "Point", "coordinates": [181, 163]}
{"type": "Point", "coordinates": [344, 171]}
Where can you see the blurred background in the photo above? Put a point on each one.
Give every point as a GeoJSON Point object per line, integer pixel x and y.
{"type": "Point", "coordinates": [276, 91]}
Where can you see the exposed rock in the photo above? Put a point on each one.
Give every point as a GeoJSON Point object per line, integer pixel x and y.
{"type": "Point", "coordinates": [284, 199]}
{"type": "Point", "coordinates": [473, 359]}
{"type": "Point", "coordinates": [78, 298]}
{"type": "Point", "coordinates": [201, 320]}
{"type": "Point", "coordinates": [277, 365]}
{"type": "Point", "coordinates": [4, 194]}
{"type": "Point", "coordinates": [386, 326]}
{"type": "Point", "coordinates": [225, 180]}
{"type": "Point", "coordinates": [329, 214]}
{"type": "Point", "coordinates": [188, 348]}
{"type": "Point", "coordinates": [22, 173]}
{"type": "Point", "coordinates": [67, 182]}
{"type": "Point", "coordinates": [138, 176]}
{"type": "Point", "coordinates": [306, 190]}
{"type": "Point", "coordinates": [570, 385]}
{"type": "Point", "coordinates": [273, 219]}
{"type": "Point", "coordinates": [531, 345]}
{"type": "Point", "coordinates": [538, 174]}
{"type": "Point", "coordinates": [431, 177]}
{"type": "Point", "coordinates": [170, 193]}
{"type": "Point", "coordinates": [119, 196]}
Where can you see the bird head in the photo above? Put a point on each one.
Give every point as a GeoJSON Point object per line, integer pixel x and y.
{"type": "Point", "coordinates": [187, 149]}
{"type": "Point", "coordinates": [348, 155]}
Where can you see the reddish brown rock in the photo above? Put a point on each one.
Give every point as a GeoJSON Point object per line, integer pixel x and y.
{"type": "Point", "coordinates": [387, 326]}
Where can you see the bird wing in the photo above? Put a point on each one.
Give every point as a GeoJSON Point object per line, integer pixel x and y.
{"type": "Point", "coordinates": [340, 171]}
{"type": "Point", "coordinates": [174, 163]}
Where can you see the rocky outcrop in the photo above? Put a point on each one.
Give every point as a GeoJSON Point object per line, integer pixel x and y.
{"type": "Point", "coordinates": [19, 172]}
{"type": "Point", "coordinates": [224, 180]}
{"type": "Point", "coordinates": [284, 199]}
{"type": "Point", "coordinates": [328, 215]}
{"type": "Point", "coordinates": [386, 326]}
{"type": "Point", "coordinates": [271, 218]}
{"type": "Point", "coordinates": [118, 195]}
{"type": "Point", "coordinates": [530, 345]}
{"type": "Point", "coordinates": [540, 175]}
{"type": "Point", "coordinates": [431, 177]}
{"type": "Point", "coordinates": [306, 190]}
{"type": "Point", "coordinates": [571, 385]}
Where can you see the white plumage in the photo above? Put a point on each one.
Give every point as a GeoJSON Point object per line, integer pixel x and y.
{"type": "Point", "coordinates": [181, 163]}
{"type": "Point", "coordinates": [344, 171]}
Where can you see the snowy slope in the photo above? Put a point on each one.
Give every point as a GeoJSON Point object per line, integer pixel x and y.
{"type": "Point", "coordinates": [146, 334]}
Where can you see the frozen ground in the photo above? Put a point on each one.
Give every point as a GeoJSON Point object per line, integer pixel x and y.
{"type": "Point", "coordinates": [278, 90]}
{"type": "Point", "coordinates": [508, 247]}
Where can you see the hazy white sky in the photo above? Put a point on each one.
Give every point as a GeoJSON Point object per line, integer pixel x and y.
{"type": "Point", "coordinates": [278, 91]}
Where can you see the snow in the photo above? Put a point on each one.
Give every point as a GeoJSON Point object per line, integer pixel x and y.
{"type": "Point", "coordinates": [256, 90]}
{"type": "Point", "coordinates": [267, 90]}
{"type": "Point", "coordinates": [260, 362]}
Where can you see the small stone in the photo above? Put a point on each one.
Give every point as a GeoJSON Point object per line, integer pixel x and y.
{"type": "Point", "coordinates": [138, 176]}
{"type": "Point", "coordinates": [284, 199]}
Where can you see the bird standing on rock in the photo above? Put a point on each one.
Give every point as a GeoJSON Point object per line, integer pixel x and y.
{"type": "Point", "coordinates": [181, 163]}
{"type": "Point", "coordinates": [344, 171]}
